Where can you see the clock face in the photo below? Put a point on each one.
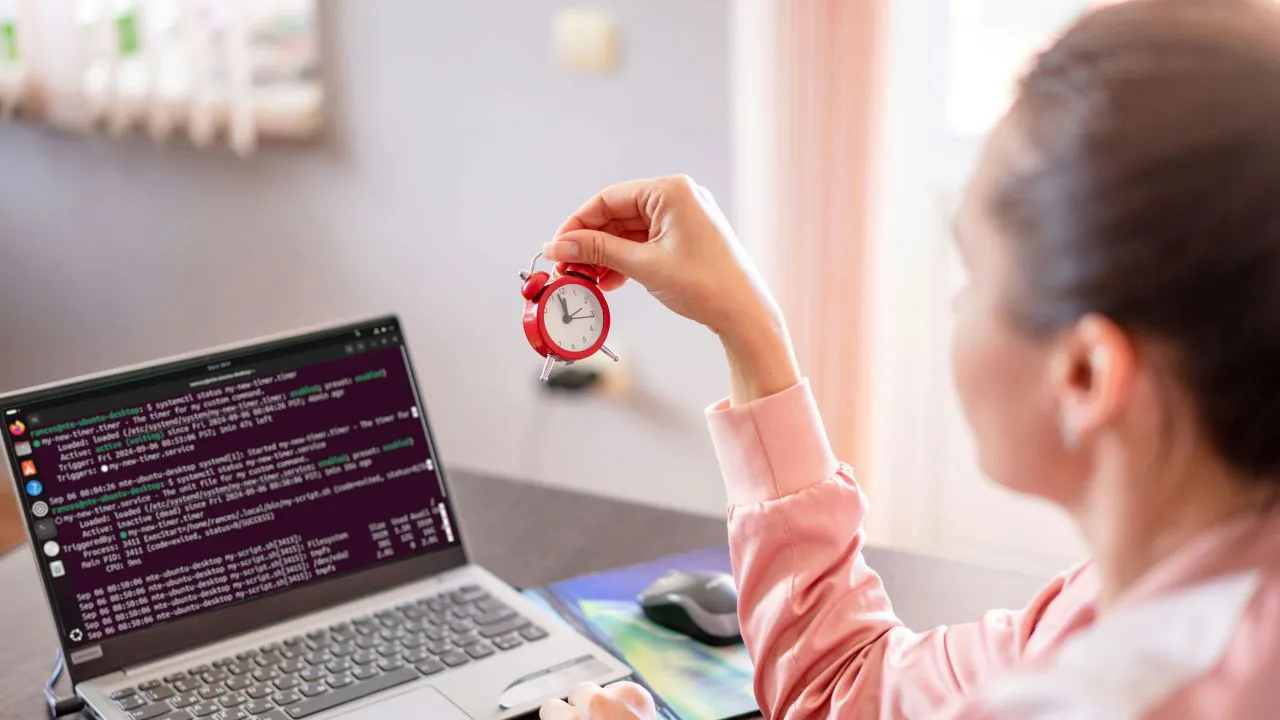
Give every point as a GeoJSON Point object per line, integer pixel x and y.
{"type": "Point", "coordinates": [574, 318]}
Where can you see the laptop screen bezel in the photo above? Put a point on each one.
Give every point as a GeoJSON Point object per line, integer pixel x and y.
{"type": "Point", "coordinates": [182, 635]}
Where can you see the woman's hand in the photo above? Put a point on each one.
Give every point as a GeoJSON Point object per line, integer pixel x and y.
{"type": "Point", "coordinates": [668, 235]}
{"type": "Point", "coordinates": [619, 701]}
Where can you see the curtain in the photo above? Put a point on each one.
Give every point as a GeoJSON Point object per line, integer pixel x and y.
{"type": "Point", "coordinates": [806, 87]}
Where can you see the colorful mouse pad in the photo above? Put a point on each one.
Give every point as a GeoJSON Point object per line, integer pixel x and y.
{"type": "Point", "coordinates": [690, 680]}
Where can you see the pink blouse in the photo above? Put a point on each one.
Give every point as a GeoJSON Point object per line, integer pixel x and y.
{"type": "Point", "coordinates": [1197, 637]}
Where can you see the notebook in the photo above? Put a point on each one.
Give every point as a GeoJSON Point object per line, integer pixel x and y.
{"type": "Point", "coordinates": [689, 680]}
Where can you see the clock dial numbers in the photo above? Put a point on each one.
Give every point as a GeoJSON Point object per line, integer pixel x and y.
{"type": "Point", "coordinates": [574, 317]}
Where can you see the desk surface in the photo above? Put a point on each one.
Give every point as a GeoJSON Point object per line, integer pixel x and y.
{"type": "Point", "coordinates": [570, 534]}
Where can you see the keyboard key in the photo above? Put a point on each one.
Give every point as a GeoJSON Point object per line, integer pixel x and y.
{"type": "Point", "coordinates": [161, 693]}
{"type": "Point", "coordinates": [533, 632]}
{"type": "Point", "coordinates": [176, 715]}
{"type": "Point", "coordinates": [364, 657]}
{"type": "Point", "coordinates": [466, 638]}
{"type": "Point", "coordinates": [149, 685]}
{"type": "Point", "coordinates": [436, 633]}
{"type": "Point", "coordinates": [223, 662]}
{"type": "Point", "coordinates": [232, 714]}
{"type": "Point", "coordinates": [417, 655]}
{"type": "Point", "coordinates": [133, 702]}
{"type": "Point", "coordinates": [288, 682]}
{"type": "Point", "coordinates": [294, 641]}
{"type": "Point", "coordinates": [312, 674]}
{"type": "Point", "coordinates": [204, 709]}
{"type": "Point", "coordinates": [503, 627]}
{"type": "Point", "coordinates": [246, 655]}
{"type": "Point", "coordinates": [364, 673]}
{"type": "Point", "coordinates": [430, 666]}
{"type": "Point", "coordinates": [199, 670]}
{"type": "Point", "coordinates": [241, 667]}
{"type": "Point", "coordinates": [480, 650]}
{"type": "Point", "coordinates": [290, 653]}
{"type": "Point", "coordinates": [123, 693]}
{"type": "Point", "coordinates": [494, 616]}
{"type": "Point", "coordinates": [286, 697]}
{"type": "Point", "coordinates": [413, 641]}
{"type": "Point", "coordinates": [187, 684]}
{"type": "Point", "coordinates": [468, 594]}
{"type": "Point", "coordinates": [184, 700]}
{"type": "Point", "coordinates": [239, 683]}
{"type": "Point", "coordinates": [343, 650]}
{"type": "Point", "coordinates": [210, 691]}
{"type": "Point", "coordinates": [150, 712]}
{"type": "Point", "coordinates": [454, 658]}
{"type": "Point", "coordinates": [319, 657]}
{"type": "Point", "coordinates": [393, 633]}
{"type": "Point", "coordinates": [340, 681]}
{"type": "Point", "coordinates": [257, 692]}
{"type": "Point", "coordinates": [388, 650]}
{"type": "Point", "coordinates": [214, 677]}
{"type": "Point", "coordinates": [313, 689]}
{"type": "Point", "coordinates": [389, 664]}
{"type": "Point", "coordinates": [437, 604]}
{"type": "Point", "coordinates": [267, 658]}
{"type": "Point", "coordinates": [267, 673]}
{"type": "Point", "coordinates": [490, 604]}
{"type": "Point", "coordinates": [507, 642]}
{"type": "Point", "coordinates": [317, 634]}
{"type": "Point", "coordinates": [461, 625]}
{"type": "Point", "coordinates": [365, 642]}
{"type": "Point", "coordinates": [338, 666]}
{"type": "Point", "coordinates": [258, 707]}
{"type": "Point", "coordinates": [233, 700]}
{"type": "Point", "coordinates": [293, 666]}
{"type": "Point", "coordinates": [340, 627]}
{"type": "Point", "coordinates": [175, 677]}
{"type": "Point", "coordinates": [351, 692]}
{"type": "Point", "coordinates": [270, 647]}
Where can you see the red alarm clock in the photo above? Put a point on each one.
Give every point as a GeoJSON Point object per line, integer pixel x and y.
{"type": "Point", "coordinates": [565, 319]}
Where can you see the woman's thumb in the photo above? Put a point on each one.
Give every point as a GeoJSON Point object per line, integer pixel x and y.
{"type": "Point", "coordinates": [593, 247]}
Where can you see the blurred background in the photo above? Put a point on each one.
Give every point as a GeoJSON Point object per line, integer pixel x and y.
{"type": "Point", "coordinates": [176, 174]}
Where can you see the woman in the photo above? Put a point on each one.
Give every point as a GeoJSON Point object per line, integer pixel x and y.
{"type": "Point", "coordinates": [1116, 351]}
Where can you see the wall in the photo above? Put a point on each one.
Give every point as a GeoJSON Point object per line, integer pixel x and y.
{"type": "Point", "coordinates": [456, 148]}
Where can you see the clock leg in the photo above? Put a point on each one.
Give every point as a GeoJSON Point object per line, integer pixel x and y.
{"type": "Point", "coordinates": [612, 355]}
{"type": "Point", "coordinates": [547, 367]}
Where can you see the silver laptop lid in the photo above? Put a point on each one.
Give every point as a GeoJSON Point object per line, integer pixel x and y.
{"type": "Point", "coordinates": [183, 501]}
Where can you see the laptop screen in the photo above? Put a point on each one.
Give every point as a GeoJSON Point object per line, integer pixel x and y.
{"type": "Point", "coordinates": [214, 483]}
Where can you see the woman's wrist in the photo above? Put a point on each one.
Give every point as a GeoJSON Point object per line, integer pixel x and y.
{"type": "Point", "coordinates": [761, 360]}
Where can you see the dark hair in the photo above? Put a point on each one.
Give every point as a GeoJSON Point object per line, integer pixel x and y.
{"type": "Point", "coordinates": [1153, 198]}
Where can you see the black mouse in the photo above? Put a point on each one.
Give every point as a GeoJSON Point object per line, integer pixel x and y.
{"type": "Point", "coordinates": [702, 605]}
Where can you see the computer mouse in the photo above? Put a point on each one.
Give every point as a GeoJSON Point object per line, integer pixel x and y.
{"type": "Point", "coordinates": [702, 605]}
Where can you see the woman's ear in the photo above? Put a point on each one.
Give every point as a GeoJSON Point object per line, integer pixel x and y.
{"type": "Point", "coordinates": [1093, 375]}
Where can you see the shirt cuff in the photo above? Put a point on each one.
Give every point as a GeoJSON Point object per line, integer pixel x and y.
{"type": "Point", "coordinates": [771, 447]}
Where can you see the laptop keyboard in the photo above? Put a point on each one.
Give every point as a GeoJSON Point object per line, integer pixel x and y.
{"type": "Point", "coordinates": [327, 667]}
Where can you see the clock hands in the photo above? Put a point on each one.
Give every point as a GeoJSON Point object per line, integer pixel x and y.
{"type": "Point", "coordinates": [564, 307]}
{"type": "Point", "coordinates": [576, 316]}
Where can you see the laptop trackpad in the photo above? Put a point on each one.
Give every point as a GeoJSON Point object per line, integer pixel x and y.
{"type": "Point", "coordinates": [423, 702]}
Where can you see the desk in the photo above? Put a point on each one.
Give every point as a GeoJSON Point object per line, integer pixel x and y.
{"type": "Point", "coordinates": [570, 533]}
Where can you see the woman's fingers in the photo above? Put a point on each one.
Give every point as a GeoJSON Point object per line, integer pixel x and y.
{"type": "Point", "coordinates": [557, 710]}
{"type": "Point", "coordinates": [623, 202]}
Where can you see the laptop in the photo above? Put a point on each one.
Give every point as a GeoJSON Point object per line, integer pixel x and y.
{"type": "Point", "coordinates": [266, 531]}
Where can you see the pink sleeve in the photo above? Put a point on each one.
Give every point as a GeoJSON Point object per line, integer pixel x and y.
{"type": "Point", "coordinates": [820, 629]}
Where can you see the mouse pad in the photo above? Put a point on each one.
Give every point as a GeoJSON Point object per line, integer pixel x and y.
{"type": "Point", "coordinates": [690, 680]}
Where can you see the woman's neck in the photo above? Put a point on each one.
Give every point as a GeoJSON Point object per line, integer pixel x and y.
{"type": "Point", "coordinates": [1133, 523]}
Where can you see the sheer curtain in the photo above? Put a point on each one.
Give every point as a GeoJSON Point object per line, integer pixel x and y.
{"type": "Point", "coordinates": [806, 93]}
